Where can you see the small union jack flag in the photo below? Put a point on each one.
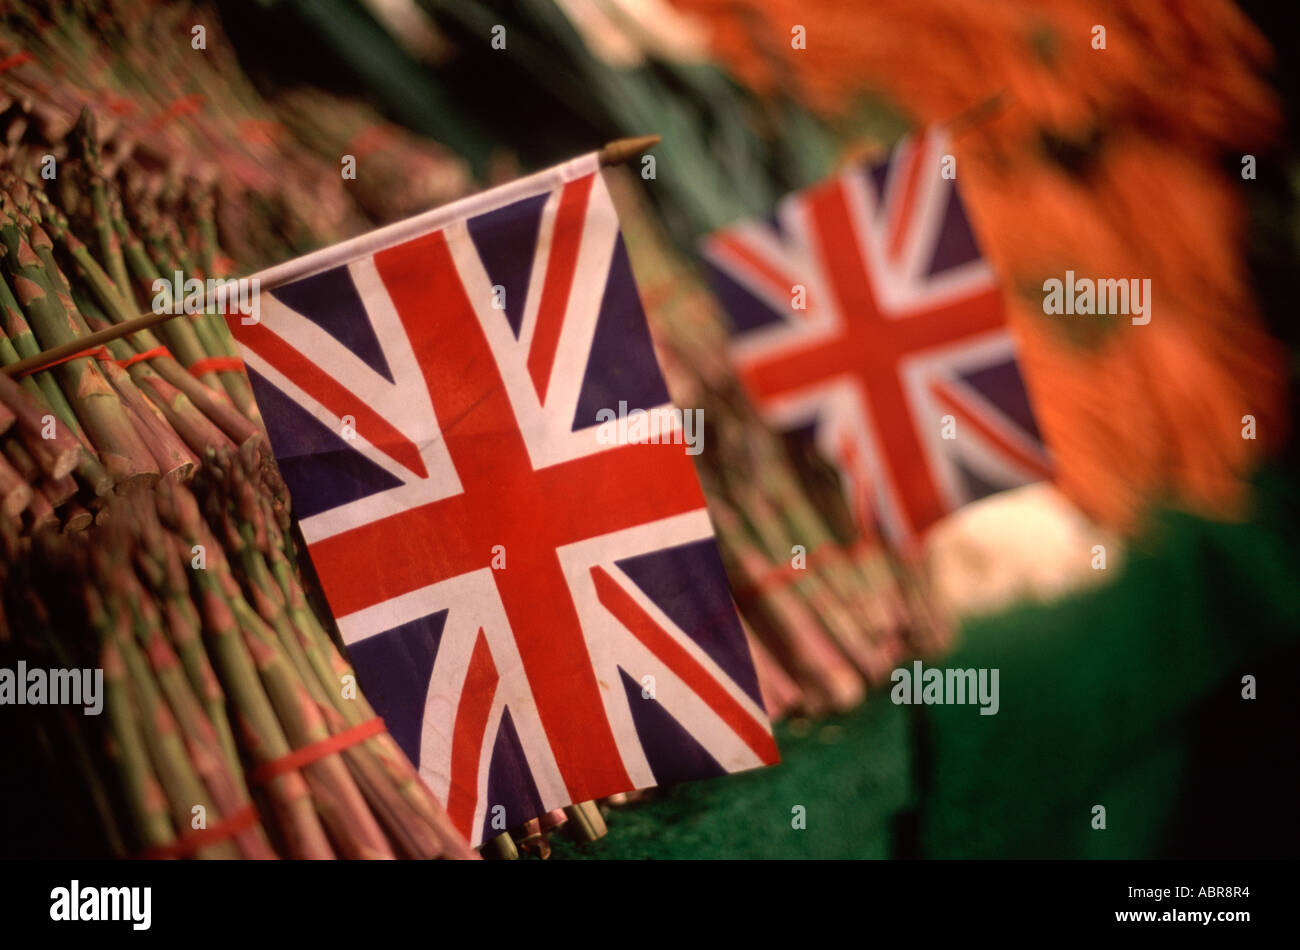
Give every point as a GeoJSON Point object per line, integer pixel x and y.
{"type": "Point", "coordinates": [863, 316]}
{"type": "Point", "coordinates": [541, 617]}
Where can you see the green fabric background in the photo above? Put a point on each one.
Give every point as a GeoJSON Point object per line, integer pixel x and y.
{"type": "Point", "coordinates": [1127, 696]}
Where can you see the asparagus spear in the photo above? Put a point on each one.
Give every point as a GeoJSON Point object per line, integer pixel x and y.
{"type": "Point", "coordinates": [125, 457]}
{"type": "Point", "coordinates": [144, 793]}
{"type": "Point", "coordinates": [17, 342]}
{"type": "Point", "coordinates": [226, 787]}
{"type": "Point", "coordinates": [214, 405]}
{"type": "Point", "coordinates": [261, 728]}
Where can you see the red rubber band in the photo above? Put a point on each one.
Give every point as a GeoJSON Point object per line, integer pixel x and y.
{"type": "Point", "coordinates": [185, 105]}
{"type": "Point", "coordinates": [317, 750]}
{"type": "Point", "coordinates": [187, 844]}
{"type": "Point", "coordinates": [265, 131]}
{"type": "Point", "coordinates": [119, 106]}
{"type": "Point", "coordinates": [17, 59]}
{"type": "Point", "coordinates": [828, 553]}
{"type": "Point", "coordinates": [780, 575]}
{"type": "Point", "coordinates": [783, 575]}
{"type": "Point", "coordinates": [865, 543]}
{"type": "Point", "coordinates": [146, 355]}
{"type": "Point", "coordinates": [217, 364]}
{"type": "Point", "coordinates": [370, 139]}
{"type": "Point", "coordinates": [98, 352]}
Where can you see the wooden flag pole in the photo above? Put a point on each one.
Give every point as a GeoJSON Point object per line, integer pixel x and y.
{"type": "Point", "coordinates": [614, 153]}
{"type": "Point", "coordinates": [84, 345]}
{"type": "Point", "coordinates": [622, 150]}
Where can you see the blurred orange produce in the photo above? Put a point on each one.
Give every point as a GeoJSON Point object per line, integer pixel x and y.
{"type": "Point", "coordinates": [1106, 161]}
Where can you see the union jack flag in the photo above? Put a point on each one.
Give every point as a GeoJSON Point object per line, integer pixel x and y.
{"type": "Point", "coordinates": [540, 617]}
{"type": "Point", "coordinates": [863, 314]}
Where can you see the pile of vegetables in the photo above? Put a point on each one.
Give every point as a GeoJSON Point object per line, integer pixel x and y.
{"type": "Point", "coordinates": [222, 689]}
{"type": "Point", "coordinates": [144, 529]}
{"type": "Point", "coordinates": [1107, 138]}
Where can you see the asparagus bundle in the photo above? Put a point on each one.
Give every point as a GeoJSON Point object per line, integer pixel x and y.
{"type": "Point", "coordinates": [215, 673]}
{"type": "Point", "coordinates": [170, 740]}
{"type": "Point", "coordinates": [398, 173]}
{"type": "Point", "coordinates": [175, 103]}
{"type": "Point", "coordinates": [145, 529]}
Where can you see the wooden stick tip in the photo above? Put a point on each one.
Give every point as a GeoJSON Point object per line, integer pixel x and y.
{"type": "Point", "coordinates": [621, 150]}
